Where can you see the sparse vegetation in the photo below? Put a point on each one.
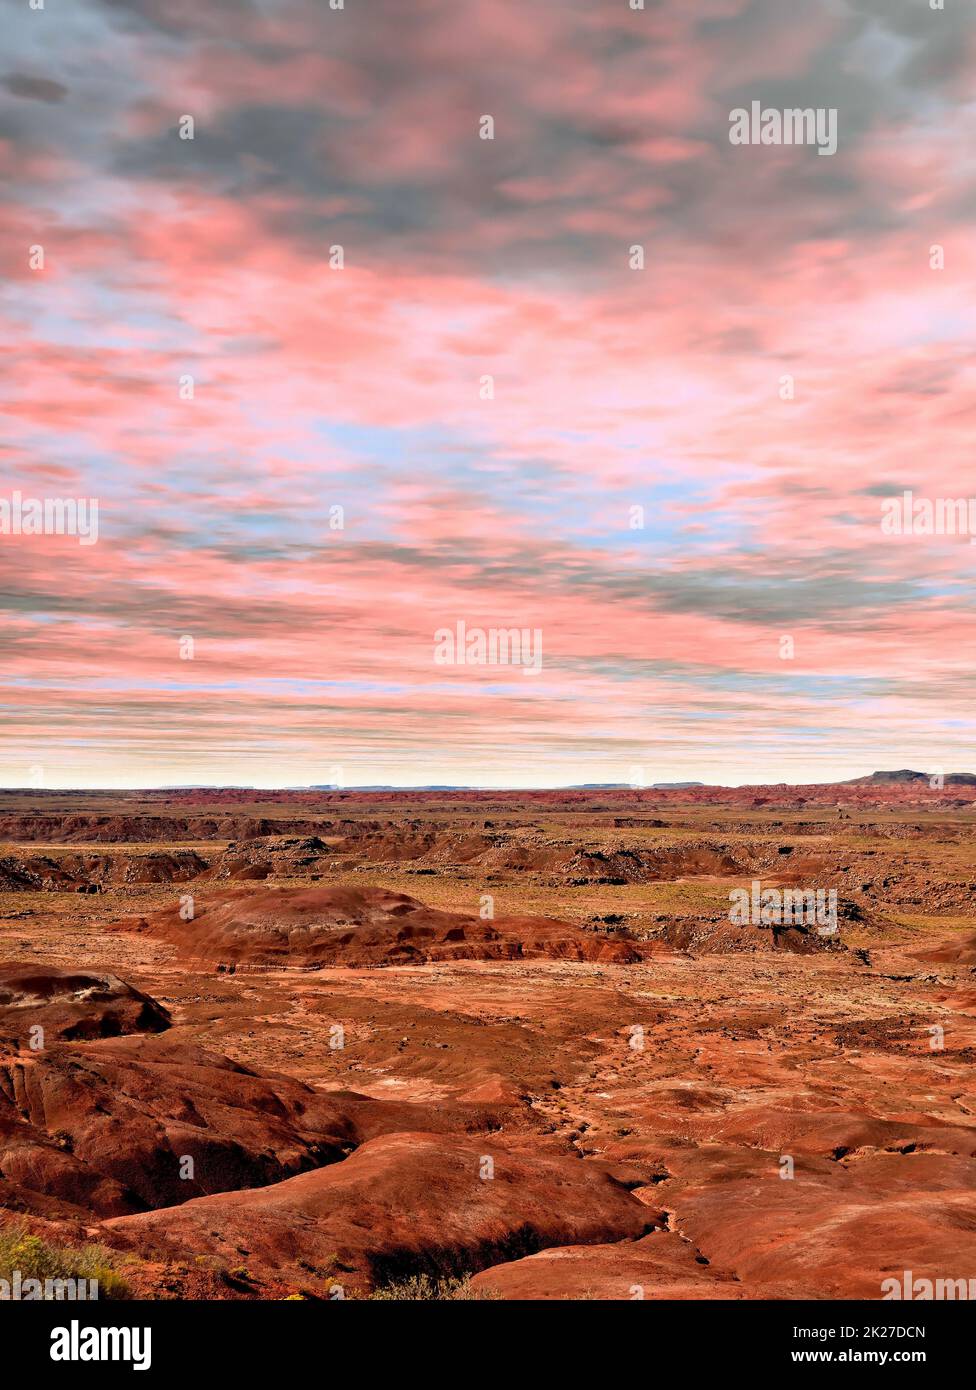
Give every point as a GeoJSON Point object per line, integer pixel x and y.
{"type": "Point", "coordinates": [422, 1288]}
{"type": "Point", "coordinates": [37, 1258]}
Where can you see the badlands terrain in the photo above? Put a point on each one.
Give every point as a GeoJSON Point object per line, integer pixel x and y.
{"type": "Point", "coordinates": [490, 1045]}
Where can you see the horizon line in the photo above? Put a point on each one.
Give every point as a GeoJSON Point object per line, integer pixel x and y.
{"type": "Point", "coordinates": [328, 789]}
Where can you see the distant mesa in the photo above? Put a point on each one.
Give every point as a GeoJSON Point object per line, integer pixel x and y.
{"type": "Point", "coordinates": [599, 787]}
{"type": "Point", "coordinates": [381, 787]}
{"type": "Point", "coordinates": [629, 786]}
{"type": "Point", "coordinates": [907, 775]}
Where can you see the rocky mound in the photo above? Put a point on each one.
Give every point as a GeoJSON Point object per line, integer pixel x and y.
{"type": "Point", "coordinates": [766, 1238]}
{"type": "Point", "coordinates": [959, 952]}
{"type": "Point", "coordinates": [129, 1124]}
{"type": "Point", "coordinates": [788, 1234]}
{"type": "Point", "coordinates": [395, 843]}
{"type": "Point", "coordinates": [172, 866]}
{"type": "Point", "coordinates": [400, 1204]}
{"type": "Point", "coordinates": [654, 865]}
{"type": "Point", "coordinates": [69, 1005]}
{"type": "Point", "coordinates": [364, 927]}
{"type": "Point", "coordinates": [528, 852]}
{"type": "Point", "coordinates": [89, 873]}
{"type": "Point", "coordinates": [158, 1121]}
{"type": "Point", "coordinates": [90, 828]}
{"type": "Point", "coordinates": [661, 1265]}
{"type": "Point", "coordinates": [280, 856]}
{"type": "Point", "coordinates": [34, 873]}
{"type": "Point", "coordinates": [719, 936]}
{"type": "Point", "coordinates": [41, 1174]}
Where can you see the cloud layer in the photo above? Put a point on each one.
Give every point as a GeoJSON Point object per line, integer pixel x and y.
{"type": "Point", "coordinates": [675, 473]}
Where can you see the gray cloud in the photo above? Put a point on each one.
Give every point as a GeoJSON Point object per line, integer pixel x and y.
{"type": "Point", "coordinates": [19, 84]}
{"type": "Point", "coordinates": [308, 168]}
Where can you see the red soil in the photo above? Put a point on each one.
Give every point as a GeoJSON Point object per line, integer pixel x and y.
{"type": "Point", "coordinates": [363, 926]}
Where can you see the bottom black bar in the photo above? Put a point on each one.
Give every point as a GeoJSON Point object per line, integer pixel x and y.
{"type": "Point", "coordinates": [253, 1338]}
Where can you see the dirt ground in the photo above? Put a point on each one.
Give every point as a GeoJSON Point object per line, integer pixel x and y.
{"type": "Point", "coordinates": [754, 1117]}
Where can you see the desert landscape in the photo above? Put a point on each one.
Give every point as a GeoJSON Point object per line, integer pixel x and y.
{"type": "Point", "coordinates": [487, 722]}
{"type": "Point", "coordinates": [490, 1045]}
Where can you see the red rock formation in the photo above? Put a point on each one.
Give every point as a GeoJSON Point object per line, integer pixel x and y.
{"type": "Point", "coordinates": [400, 1203]}
{"type": "Point", "coordinates": [363, 926]}
{"type": "Point", "coordinates": [70, 1004]}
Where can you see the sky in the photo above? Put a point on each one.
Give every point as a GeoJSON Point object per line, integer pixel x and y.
{"type": "Point", "coordinates": [342, 373]}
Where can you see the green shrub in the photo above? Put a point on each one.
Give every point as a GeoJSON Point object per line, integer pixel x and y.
{"type": "Point", "coordinates": [37, 1258]}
